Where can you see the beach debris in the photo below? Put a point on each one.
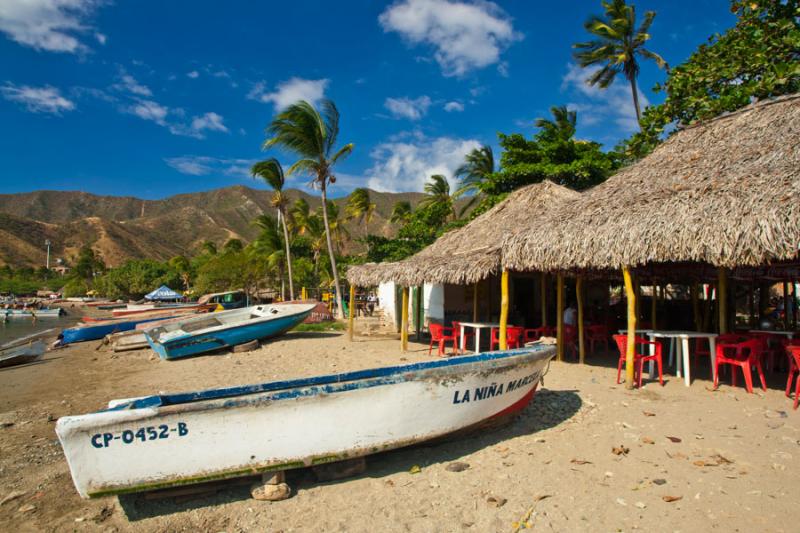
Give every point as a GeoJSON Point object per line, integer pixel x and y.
{"type": "Point", "coordinates": [580, 462]}
{"type": "Point", "coordinates": [674, 439]}
{"type": "Point", "coordinates": [609, 474]}
{"type": "Point", "coordinates": [647, 440]}
{"type": "Point", "coordinates": [104, 514]}
{"type": "Point", "coordinates": [771, 413]}
{"type": "Point", "coordinates": [26, 508]}
{"type": "Point", "coordinates": [640, 505]}
{"type": "Point", "coordinates": [496, 501]}
{"type": "Point", "coordinates": [620, 450]}
{"type": "Point", "coordinates": [524, 522]}
{"type": "Point", "coordinates": [13, 495]}
{"type": "Point", "coordinates": [648, 413]}
{"type": "Point", "coordinates": [622, 502]}
{"type": "Point", "coordinates": [416, 469]}
{"type": "Point", "coordinates": [457, 466]}
{"type": "Point", "coordinates": [670, 499]}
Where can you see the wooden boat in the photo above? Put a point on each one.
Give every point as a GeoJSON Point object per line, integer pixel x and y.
{"type": "Point", "coordinates": [141, 309]}
{"type": "Point", "coordinates": [127, 340]}
{"type": "Point", "coordinates": [46, 312]}
{"type": "Point", "coordinates": [25, 353]}
{"type": "Point", "coordinates": [163, 441]}
{"type": "Point", "coordinates": [98, 330]}
{"type": "Point", "coordinates": [154, 313]}
{"type": "Point", "coordinates": [201, 334]}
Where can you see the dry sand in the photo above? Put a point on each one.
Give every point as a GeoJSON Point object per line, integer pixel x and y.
{"type": "Point", "coordinates": [725, 460]}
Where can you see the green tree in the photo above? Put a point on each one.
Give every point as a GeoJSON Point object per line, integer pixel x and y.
{"type": "Point", "coordinates": [337, 230]}
{"type": "Point", "coordinates": [88, 263]}
{"type": "Point", "coordinates": [437, 192]}
{"type": "Point", "coordinates": [271, 172]}
{"type": "Point", "coordinates": [563, 126]}
{"type": "Point", "coordinates": [401, 212]}
{"type": "Point", "coordinates": [312, 135]}
{"type": "Point", "coordinates": [270, 247]}
{"type": "Point", "coordinates": [135, 278]}
{"type": "Point", "coordinates": [233, 246]}
{"type": "Point", "coordinates": [183, 267]}
{"type": "Point", "coordinates": [477, 168]}
{"type": "Point", "coordinates": [360, 207]}
{"type": "Point", "coordinates": [616, 46]}
{"type": "Point", "coordinates": [208, 248]}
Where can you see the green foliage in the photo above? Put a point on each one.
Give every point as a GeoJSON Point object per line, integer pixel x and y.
{"type": "Point", "coordinates": [76, 287]}
{"type": "Point", "coordinates": [424, 225]}
{"type": "Point", "coordinates": [321, 326]}
{"type": "Point", "coordinates": [238, 270]}
{"type": "Point", "coordinates": [360, 207]}
{"type": "Point", "coordinates": [477, 168]}
{"type": "Point", "coordinates": [232, 245]}
{"type": "Point", "coordinates": [135, 278]}
{"type": "Point", "coordinates": [401, 212]}
{"type": "Point", "coordinates": [88, 264]}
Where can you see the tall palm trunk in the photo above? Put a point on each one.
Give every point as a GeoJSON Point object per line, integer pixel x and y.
{"type": "Point", "coordinates": [340, 309]}
{"type": "Point", "coordinates": [282, 216]}
{"type": "Point", "coordinates": [636, 101]}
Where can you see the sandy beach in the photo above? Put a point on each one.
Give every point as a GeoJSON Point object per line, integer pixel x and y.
{"type": "Point", "coordinates": [586, 455]}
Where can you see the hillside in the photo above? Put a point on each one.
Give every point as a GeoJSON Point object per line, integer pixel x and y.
{"type": "Point", "coordinates": [122, 227]}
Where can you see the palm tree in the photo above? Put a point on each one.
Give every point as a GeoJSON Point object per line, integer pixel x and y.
{"type": "Point", "coordinates": [401, 212]}
{"type": "Point", "coordinates": [270, 246]}
{"type": "Point", "coordinates": [438, 194]}
{"type": "Point", "coordinates": [478, 166]}
{"type": "Point", "coordinates": [311, 135]}
{"type": "Point", "coordinates": [271, 172]}
{"type": "Point", "coordinates": [563, 124]}
{"type": "Point", "coordinates": [616, 47]}
{"type": "Point", "coordinates": [338, 232]}
{"type": "Point", "coordinates": [360, 207]}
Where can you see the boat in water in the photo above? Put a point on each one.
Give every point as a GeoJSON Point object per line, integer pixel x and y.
{"type": "Point", "coordinates": [206, 333]}
{"type": "Point", "coordinates": [169, 440]}
{"type": "Point", "coordinates": [45, 312]}
{"type": "Point", "coordinates": [21, 354]}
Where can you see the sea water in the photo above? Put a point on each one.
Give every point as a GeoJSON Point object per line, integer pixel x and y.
{"type": "Point", "coordinates": [14, 328]}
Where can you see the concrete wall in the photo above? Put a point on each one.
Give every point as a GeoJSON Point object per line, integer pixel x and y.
{"type": "Point", "coordinates": [433, 302]}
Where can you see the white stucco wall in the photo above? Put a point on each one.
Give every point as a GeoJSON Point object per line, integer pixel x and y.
{"type": "Point", "coordinates": [433, 301]}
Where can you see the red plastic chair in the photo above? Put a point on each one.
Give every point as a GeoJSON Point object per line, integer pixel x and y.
{"type": "Point", "coordinates": [441, 335]}
{"type": "Point", "coordinates": [639, 357]}
{"type": "Point", "coordinates": [794, 368]}
{"type": "Point", "coordinates": [769, 341]}
{"type": "Point", "coordinates": [457, 333]}
{"type": "Point", "coordinates": [532, 334]}
{"type": "Point", "coordinates": [744, 355]}
{"type": "Point", "coordinates": [514, 336]}
{"type": "Point", "coordinates": [597, 334]}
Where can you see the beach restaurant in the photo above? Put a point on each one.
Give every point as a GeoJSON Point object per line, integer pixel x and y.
{"type": "Point", "coordinates": [681, 249]}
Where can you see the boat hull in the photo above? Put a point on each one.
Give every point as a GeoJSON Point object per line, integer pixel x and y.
{"type": "Point", "coordinates": [165, 441]}
{"type": "Point", "coordinates": [19, 355]}
{"type": "Point", "coordinates": [33, 313]}
{"type": "Point", "coordinates": [95, 331]}
{"type": "Point", "coordinates": [203, 342]}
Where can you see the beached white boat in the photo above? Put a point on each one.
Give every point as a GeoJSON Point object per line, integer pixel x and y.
{"type": "Point", "coordinates": [168, 440]}
{"type": "Point", "coordinates": [127, 340]}
{"type": "Point", "coordinates": [54, 312]}
{"type": "Point", "coordinates": [25, 353]}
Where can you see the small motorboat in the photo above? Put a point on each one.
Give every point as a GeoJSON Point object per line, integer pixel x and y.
{"type": "Point", "coordinates": [206, 333]}
{"type": "Point", "coordinates": [168, 440]}
{"type": "Point", "coordinates": [31, 313]}
{"type": "Point", "coordinates": [97, 330]}
{"type": "Point", "coordinates": [21, 354]}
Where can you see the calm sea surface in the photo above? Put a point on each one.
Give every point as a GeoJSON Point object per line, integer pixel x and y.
{"type": "Point", "coordinates": [20, 327]}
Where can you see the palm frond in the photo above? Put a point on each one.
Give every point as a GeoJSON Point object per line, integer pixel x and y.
{"type": "Point", "coordinates": [271, 171]}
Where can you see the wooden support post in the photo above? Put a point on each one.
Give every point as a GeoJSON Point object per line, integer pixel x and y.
{"type": "Point", "coordinates": [560, 316]}
{"type": "Point", "coordinates": [303, 295]}
{"type": "Point", "coordinates": [579, 297]}
{"type": "Point", "coordinates": [475, 302]}
{"type": "Point", "coordinates": [404, 322]}
{"type": "Point", "coordinates": [722, 299]}
{"type": "Point", "coordinates": [351, 319]}
{"type": "Point", "coordinates": [504, 310]}
{"type": "Point", "coordinates": [698, 320]}
{"type": "Point", "coordinates": [653, 306]}
{"type": "Point", "coordinates": [786, 305]}
{"type": "Point", "coordinates": [630, 293]}
{"type": "Point", "coordinates": [543, 291]}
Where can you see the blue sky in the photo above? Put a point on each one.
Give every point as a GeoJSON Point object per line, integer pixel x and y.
{"type": "Point", "coordinates": [154, 98]}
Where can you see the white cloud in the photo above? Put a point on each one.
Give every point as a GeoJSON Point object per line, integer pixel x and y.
{"type": "Point", "coordinates": [194, 165]}
{"type": "Point", "coordinates": [50, 25]}
{"type": "Point", "coordinates": [466, 35]}
{"type": "Point", "coordinates": [454, 106]}
{"type": "Point", "coordinates": [101, 37]}
{"type": "Point", "coordinates": [193, 74]}
{"type": "Point", "coordinates": [290, 91]}
{"type": "Point", "coordinates": [596, 105]}
{"type": "Point", "coordinates": [208, 121]}
{"type": "Point", "coordinates": [407, 165]}
{"type": "Point", "coordinates": [412, 109]}
{"type": "Point", "coordinates": [45, 99]}
{"type": "Point", "coordinates": [128, 83]}
{"type": "Point", "coordinates": [149, 110]}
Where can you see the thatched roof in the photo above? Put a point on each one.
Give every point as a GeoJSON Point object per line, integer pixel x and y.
{"type": "Point", "coordinates": [724, 192]}
{"type": "Point", "coordinates": [473, 252]}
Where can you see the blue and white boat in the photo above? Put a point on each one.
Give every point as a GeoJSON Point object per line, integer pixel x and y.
{"type": "Point", "coordinates": [177, 439]}
{"type": "Point", "coordinates": [97, 330]}
{"type": "Point", "coordinates": [206, 333]}
{"type": "Point", "coordinates": [45, 312]}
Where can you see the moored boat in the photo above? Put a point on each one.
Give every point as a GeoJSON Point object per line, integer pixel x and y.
{"type": "Point", "coordinates": [46, 312]}
{"type": "Point", "coordinates": [168, 440]}
{"type": "Point", "coordinates": [142, 309]}
{"type": "Point", "coordinates": [206, 333]}
{"type": "Point", "coordinates": [25, 353]}
{"type": "Point", "coordinates": [97, 330]}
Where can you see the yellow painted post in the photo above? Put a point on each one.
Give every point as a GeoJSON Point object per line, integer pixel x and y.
{"type": "Point", "coordinates": [560, 317]}
{"type": "Point", "coordinates": [303, 294]}
{"type": "Point", "coordinates": [579, 297]}
{"type": "Point", "coordinates": [352, 304]}
{"type": "Point", "coordinates": [475, 302]}
{"type": "Point", "coordinates": [404, 322]}
{"type": "Point", "coordinates": [504, 310]}
{"type": "Point", "coordinates": [653, 306]}
{"type": "Point", "coordinates": [722, 298]}
{"type": "Point", "coordinates": [698, 321]}
{"type": "Point", "coordinates": [630, 293]}
{"type": "Point", "coordinates": [543, 291]}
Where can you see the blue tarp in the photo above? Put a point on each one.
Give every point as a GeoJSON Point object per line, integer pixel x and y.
{"type": "Point", "coordinates": [163, 293]}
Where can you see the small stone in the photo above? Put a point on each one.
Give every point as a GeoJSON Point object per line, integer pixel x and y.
{"type": "Point", "coordinates": [770, 413]}
{"type": "Point", "coordinates": [11, 496]}
{"type": "Point", "coordinates": [621, 502]}
{"type": "Point", "coordinates": [659, 481]}
{"type": "Point", "coordinates": [26, 508]}
{"type": "Point", "coordinates": [270, 493]}
{"type": "Point", "coordinates": [496, 501]}
{"type": "Point", "coordinates": [457, 466]}
{"type": "Point", "coordinates": [640, 505]}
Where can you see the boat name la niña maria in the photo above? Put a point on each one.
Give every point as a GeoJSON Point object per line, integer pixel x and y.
{"type": "Point", "coordinates": [489, 391]}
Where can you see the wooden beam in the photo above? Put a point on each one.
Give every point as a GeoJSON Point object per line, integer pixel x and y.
{"type": "Point", "coordinates": [404, 322]}
{"type": "Point", "coordinates": [475, 302]}
{"type": "Point", "coordinates": [560, 316]}
{"type": "Point", "coordinates": [579, 297]}
{"type": "Point", "coordinates": [351, 320]}
{"type": "Point", "coordinates": [631, 346]}
{"type": "Point", "coordinates": [722, 298]}
{"type": "Point", "coordinates": [504, 310]}
{"type": "Point", "coordinates": [543, 292]}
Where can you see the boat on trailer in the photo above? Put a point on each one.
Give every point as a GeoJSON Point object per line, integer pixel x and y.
{"type": "Point", "coordinates": [21, 354]}
{"type": "Point", "coordinates": [206, 333]}
{"type": "Point", "coordinates": [177, 439]}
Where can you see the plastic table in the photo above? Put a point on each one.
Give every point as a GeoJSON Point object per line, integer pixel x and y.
{"type": "Point", "coordinates": [477, 326]}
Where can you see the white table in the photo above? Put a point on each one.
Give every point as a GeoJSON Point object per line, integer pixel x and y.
{"type": "Point", "coordinates": [682, 350]}
{"type": "Point", "coordinates": [477, 326]}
